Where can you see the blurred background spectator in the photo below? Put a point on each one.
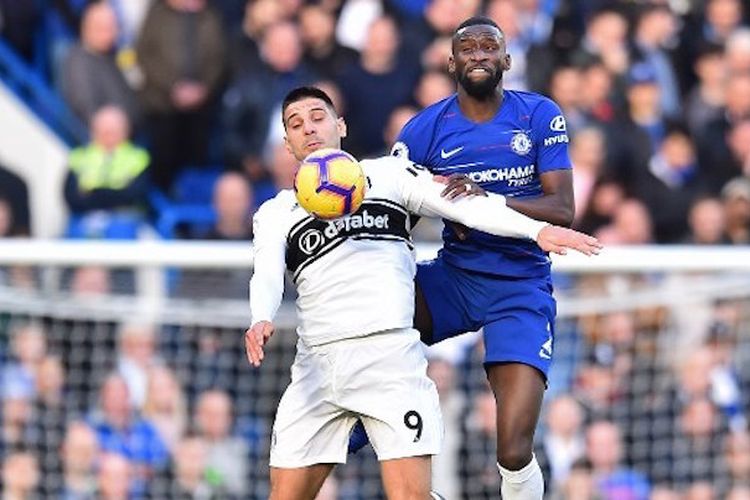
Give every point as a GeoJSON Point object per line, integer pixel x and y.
{"type": "Point", "coordinates": [108, 180]}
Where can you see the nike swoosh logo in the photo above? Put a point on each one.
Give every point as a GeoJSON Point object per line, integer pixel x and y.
{"type": "Point", "coordinates": [447, 154]}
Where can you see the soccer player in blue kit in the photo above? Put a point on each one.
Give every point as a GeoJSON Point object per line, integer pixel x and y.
{"type": "Point", "coordinates": [515, 144]}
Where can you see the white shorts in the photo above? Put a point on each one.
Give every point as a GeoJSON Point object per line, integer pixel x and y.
{"type": "Point", "coordinates": [380, 379]}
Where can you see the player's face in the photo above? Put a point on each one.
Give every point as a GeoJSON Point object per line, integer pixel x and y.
{"type": "Point", "coordinates": [311, 125]}
{"type": "Point", "coordinates": [479, 59]}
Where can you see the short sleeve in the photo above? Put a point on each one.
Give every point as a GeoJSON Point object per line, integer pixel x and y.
{"type": "Point", "coordinates": [412, 142]}
{"type": "Point", "coordinates": [551, 135]}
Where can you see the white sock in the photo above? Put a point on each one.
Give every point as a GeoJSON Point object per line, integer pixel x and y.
{"type": "Point", "coordinates": [523, 484]}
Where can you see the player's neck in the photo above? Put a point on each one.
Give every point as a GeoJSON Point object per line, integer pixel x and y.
{"type": "Point", "coordinates": [480, 109]}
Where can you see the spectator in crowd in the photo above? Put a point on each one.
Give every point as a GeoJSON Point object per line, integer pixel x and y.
{"type": "Point", "coordinates": [697, 443]}
{"type": "Point", "coordinates": [737, 51]}
{"type": "Point", "coordinates": [16, 415]}
{"type": "Point", "coordinates": [736, 457]}
{"type": "Point", "coordinates": [705, 100]}
{"type": "Point", "coordinates": [29, 346]}
{"type": "Point", "coordinates": [165, 405]}
{"type": "Point", "coordinates": [438, 20]}
{"type": "Point", "coordinates": [250, 102]}
{"type": "Point", "coordinates": [108, 180]}
{"type": "Point", "coordinates": [433, 86]}
{"type": "Point", "coordinates": [114, 477]}
{"type": "Point", "coordinates": [579, 484]}
{"type": "Point", "coordinates": [78, 455]}
{"type": "Point", "coordinates": [90, 76]}
{"type": "Point", "coordinates": [182, 53]}
{"type": "Point", "coordinates": [380, 71]}
{"type": "Point", "coordinates": [612, 478]}
{"type": "Point", "coordinates": [605, 39]}
{"type": "Point", "coordinates": [245, 45]}
{"type": "Point", "coordinates": [721, 18]}
{"type": "Point", "coordinates": [587, 153]}
{"type": "Point", "coordinates": [477, 451]}
{"type": "Point", "coordinates": [50, 409]}
{"type": "Point", "coordinates": [700, 490]}
{"type": "Point", "coordinates": [706, 222]}
{"type": "Point", "coordinates": [446, 464]}
{"type": "Point", "coordinates": [562, 444]}
{"type": "Point", "coordinates": [232, 202]}
{"type": "Point", "coordinates": [655, 29]}
{"type": "Point", "coordinates": [323, 54]}
{"type": "Point", "coordinates": [631, 225]}
{"type": "Point", "coordinates": [188, 476]}
{"type": "Point", "coordinates": [736, 198]}
{"type": "Point", "coordinates": [15, 196]}
{"type": "Point", "coordinates": [20, 476]}
{"type": "Point", "coordinates": [226, 460]}
{"type": "Point", "coordinates": [90, 281]}
{"type": "Point", "coordinates": [598, 99]}
{"type": "Point", "coordinates": [724, 155]}
{"type": "Point", "coordinates": [638, 132]}
{"type": "Point", "coordinates": [121, 430]}
{"type": "Point", "coordinates": [137, 355]}
{"type": "Point", "coordinates": [737, 139]}
{"type": "Point", "coordinates": [670, 184]}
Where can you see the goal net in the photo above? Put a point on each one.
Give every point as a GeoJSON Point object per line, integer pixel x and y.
{"type": "Point", "coordinates": [123, 367]}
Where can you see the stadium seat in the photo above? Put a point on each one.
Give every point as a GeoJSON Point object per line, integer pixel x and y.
{"type": "Point", "coordinates": [195, 185]}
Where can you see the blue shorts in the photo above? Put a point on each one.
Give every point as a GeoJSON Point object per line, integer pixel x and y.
{"type": "Point", "coordinates": [517, 314]}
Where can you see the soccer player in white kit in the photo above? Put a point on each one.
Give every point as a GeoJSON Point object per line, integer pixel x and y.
{"type": "Point", "coordinates": [358, 356]}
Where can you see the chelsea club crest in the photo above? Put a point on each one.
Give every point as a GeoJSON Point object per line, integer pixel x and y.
{"type": "Point", "coordinates": [520, 143]}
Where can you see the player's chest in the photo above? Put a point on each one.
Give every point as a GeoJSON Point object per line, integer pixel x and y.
{"type": "Point", "coordinates": [501, 154]}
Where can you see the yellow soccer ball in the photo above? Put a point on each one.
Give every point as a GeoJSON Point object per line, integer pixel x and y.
{"type": "Point", "coordinates": [330, 184]}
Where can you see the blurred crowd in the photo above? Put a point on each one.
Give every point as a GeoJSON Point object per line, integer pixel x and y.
{"type": "Point", "coordinates": [656, 95]}
{"type": "Point", "coordinates": [182, 100]}
{"type": "Point", "coordinates": [638, 407]}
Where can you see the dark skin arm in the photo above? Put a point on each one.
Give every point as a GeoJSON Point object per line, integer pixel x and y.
{"type": "Point", "coordinates": [555, 205]}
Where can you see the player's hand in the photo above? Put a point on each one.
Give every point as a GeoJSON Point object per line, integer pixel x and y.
{"type": "Point", "coordinates": [458, 185]}
{"type": "Point", "coordinates": [557, 239]}
{"type": "Point", "coordinates": [255, 338]}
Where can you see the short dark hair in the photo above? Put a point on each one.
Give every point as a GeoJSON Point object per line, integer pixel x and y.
{"type": "Point", "coordinates": [477, 21]}
{"type": "Point", "coordinates": [305, 93]}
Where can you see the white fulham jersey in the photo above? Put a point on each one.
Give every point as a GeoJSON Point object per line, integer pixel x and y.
{"type": "Point", "coordinates": [355, 275]}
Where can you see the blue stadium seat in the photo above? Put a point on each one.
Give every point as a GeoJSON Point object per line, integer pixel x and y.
{"type": "Point", "coordinates": [195, 185]}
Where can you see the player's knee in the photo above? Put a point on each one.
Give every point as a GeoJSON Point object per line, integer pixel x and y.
{"type": "Point", "coordinates": [514, 455]}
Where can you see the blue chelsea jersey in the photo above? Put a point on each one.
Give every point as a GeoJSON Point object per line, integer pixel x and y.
{"type": "Point", "coordinates": [506, 155]}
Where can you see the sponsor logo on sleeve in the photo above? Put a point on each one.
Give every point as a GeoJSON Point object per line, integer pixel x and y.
{"type": "Point", "coordinates": [557, 124]}
{"type": "Point", "coordinates": [400, 150]}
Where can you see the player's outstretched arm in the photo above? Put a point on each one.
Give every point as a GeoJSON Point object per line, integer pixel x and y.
{"type": "Point", "coordinates": [255, 338]}
{"type": "Point", "coordinates": [557, 239]}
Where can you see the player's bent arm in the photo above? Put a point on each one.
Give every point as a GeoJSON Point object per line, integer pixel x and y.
{"type": "Point", "coordinates": [556, 205]}
{"type": "Point", "coordinates": [423, 196]}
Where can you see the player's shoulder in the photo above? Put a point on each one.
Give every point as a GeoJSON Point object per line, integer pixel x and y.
{"type": "Point", "coordinates": [428, 117]}
{"type": "Point", "coordinates": [283, 202]}
{"type": "Point", "coordinates": [384, 167]}
{"type": "Point", "coordinates": [531, 101]}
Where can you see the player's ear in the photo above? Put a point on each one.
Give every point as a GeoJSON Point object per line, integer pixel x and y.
{"type": "Point", "coordinates": [451, 64]}
{"type": "Point", "coordinates": [341, 126]}
{"type": "Point", "coordinates": [506, 62]}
